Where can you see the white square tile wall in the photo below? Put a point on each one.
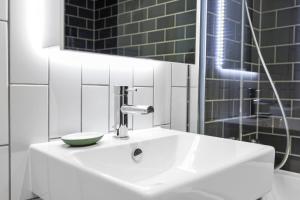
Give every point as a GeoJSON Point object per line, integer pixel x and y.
{"type": "Point", "coordinates": [4, 173]}
{"type": "Point", "coordinates": [3, 84]}
{"type": "Point", "coordinates": [121, 74]}
{"type": "Point", "coordinates": [162, 93]}
{"type": "Point", "coordinates": [29, 125]}
{"type": "Point", "coordinates": [3, 10]}
{"type": "Point", "coordinates": [179, 75]}
{"type": "Point", "coordinates": [143, 75]}
{"type": "Point", "coordinates": [193, 110]}
{"type": "Point", "coordinates": [95, 108]}
{"type": "Point", "coordinates": [65, 97]}
{"type": "Point", "coordinates": [194, 76]}
{"type": "Point", "coordinates": [143, 96]}
{"type": "Point", "coordinates": [28, 58]}
{"type": "Point", "coordinates": [95, 72]}
{"type": "Point", "coordinates": [179, 108]}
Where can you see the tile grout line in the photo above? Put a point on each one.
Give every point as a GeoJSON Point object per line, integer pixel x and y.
{"type": "Point", "coordinates": [9, 104]}
{"type": "Point", "coordinates": [49, 74]}
{"type": "Point", "coordinates": [108, 96]}
{"type": "Point", "coordinates": [81, 97]}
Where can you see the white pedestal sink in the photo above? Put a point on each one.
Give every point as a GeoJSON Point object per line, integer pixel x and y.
{"type": "Point", "coordinates": [174, 166]}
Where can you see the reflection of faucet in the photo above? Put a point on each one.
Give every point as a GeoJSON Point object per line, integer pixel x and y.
{"type": "Point", "coordinates": [122, 109]}
{"type": "Point", "coordinates": [255, 102]}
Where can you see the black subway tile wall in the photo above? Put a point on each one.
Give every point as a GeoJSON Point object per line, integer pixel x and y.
{"type": "Point", "coordinates": [279, 41]}
{"type": "Point", "coordinates": [79, 25]}
{"type": "Point", "coordinates": [157, 29]}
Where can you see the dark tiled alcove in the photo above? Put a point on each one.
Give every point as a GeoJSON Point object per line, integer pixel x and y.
{"type": "Point", "coordinates": [276, 24]}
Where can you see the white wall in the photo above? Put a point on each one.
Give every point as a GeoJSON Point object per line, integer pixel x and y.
{"type": "Point", "coordinates": [55, 92]}
{"type": "Point", "coordinates": [3, 84]}
{"type": "Point", "coordinates": [4, 148]}
{"type": "Point", "coordinates": [4, 10]}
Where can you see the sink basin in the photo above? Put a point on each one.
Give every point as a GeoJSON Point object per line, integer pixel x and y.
{"type": "Point", "coordinates": [172, 165]}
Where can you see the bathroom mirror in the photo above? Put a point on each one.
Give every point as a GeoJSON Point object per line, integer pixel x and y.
{"type": "Point", "coordinates": [154, 29]}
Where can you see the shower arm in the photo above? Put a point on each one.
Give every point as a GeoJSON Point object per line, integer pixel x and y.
{"type": "Point", "coordinates": [288, 140]}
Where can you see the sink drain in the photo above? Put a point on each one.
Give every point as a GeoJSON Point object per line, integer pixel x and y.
{"type": "Point", "coordinates": [137, 155]}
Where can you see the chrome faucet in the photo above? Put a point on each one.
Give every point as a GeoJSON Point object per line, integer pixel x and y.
{"type": "Point", "coordinates": [122, 109]}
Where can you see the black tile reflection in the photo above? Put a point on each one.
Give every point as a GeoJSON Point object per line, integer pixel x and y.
{"type": "Point", "coordinates": [277, 36]}
{"type": "Point", "coordinates": [295, 149]}
{"type": "Point", "coordinates": [190, 58]}
{"type": "Point", "coordinates": [165, 22]}
{"type": "Point", "coordinates": [266, 90]}
{"type": "Point", "coordinates": [156, 36]}
{"type": "Point", "coordinates": [147, 3]}
{"type": "Point", "coordinates": [147, 25]}
{"type": "Point", "coordinates": [296, 109]}
{"type": "Point", "coordinates": [249, 138]}
{"type": "Point", "coordinates": [294, 126]}
{"type": "Point", "coordinates": [185, 46]}
{"type": "Point", "coordinates": [165, 48]}
{"type": "Point", "coordinates": [290, 53]}
{"type": "Point", "coordinates": [190, 31]}
{"type": "Point", "coordinates": [273, 140]}
{"type": "Point", "coordinates": [268, 20]}
{"type": "Point", "coordinates": [139, 15]}
{"type": "Point", "coordinates": [272, 107]}
{"type": "Point", "coordinates": [147, 50]}
{"type": "Point", "coordinates": [156, 11]}
{"type": "Point", "coordinates": [175, 7]}
{"type": "Point", "coordinates": [231, 129]}
{"type": "Point", "coordinates": [231, 89]}
{"type": "Point", "coordinates": [186, 18]}
{"type": "Point", "coordinates": [175, 58]}
{"type": "Point", "coordinates": [265, 125]}
{"type": "Point", "coordinates": [222, 110]}
{"type": "Point", "coordinates": [130, 27]}
{"type": "Point", "coordinates": [214, 89]}
{"type": "Point", "coordinates": [276, 4]}
{"type": "Point", "coordinates": [278, 72]}
{"type": "Point", "coordinates": [268, 54]}
{"type": "Point", "coordinates": [289, 90]}
{"type": "Point", "coordinates": [208, 111]}
{"type": "Point", "coordinates": [214, 129]}
{"type": "Point", "coordinates": [288, 16]}
{"type": "Point", "coordinates": [292, 164]}
{"type": "Point", "coordinates": [175, 33]}
{"type": "Point", "coordinates": [249, 125]}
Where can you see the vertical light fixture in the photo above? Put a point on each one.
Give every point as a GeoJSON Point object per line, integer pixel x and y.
{"type": "Point", "coordinates": [220, 34]}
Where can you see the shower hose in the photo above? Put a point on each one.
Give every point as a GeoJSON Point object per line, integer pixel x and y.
{"type": "Point", "coordinates": [288, 139]}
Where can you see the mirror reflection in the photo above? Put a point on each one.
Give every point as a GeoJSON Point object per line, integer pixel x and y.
{"type": "Point", "coordinates": [154, 29]}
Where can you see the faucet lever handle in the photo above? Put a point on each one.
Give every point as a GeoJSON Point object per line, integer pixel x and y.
{"type": "Point", "coordinates": [133, 89]}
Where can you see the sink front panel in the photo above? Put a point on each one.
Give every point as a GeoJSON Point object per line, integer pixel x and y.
{"type": "Point", "coordinates": [175, 166]}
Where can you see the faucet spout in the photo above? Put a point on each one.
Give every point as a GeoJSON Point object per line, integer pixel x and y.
{"type": "Point", "coordinates": [122, 110]}
{"type": "Point", "coordinates": [138, 109]}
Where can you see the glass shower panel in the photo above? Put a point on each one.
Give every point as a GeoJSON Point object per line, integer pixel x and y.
{"type": "Point", "coordinates": [239, 99]}
{"type": "Point", "coordinates": [251, 67]}
{"type": "Point", "coordinates": [225, 75]}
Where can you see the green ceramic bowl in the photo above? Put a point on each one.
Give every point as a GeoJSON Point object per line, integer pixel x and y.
{"type": "Point", "coordinates": [82, 139]}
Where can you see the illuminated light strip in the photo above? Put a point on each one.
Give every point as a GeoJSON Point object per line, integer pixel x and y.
{"type": "Point", "coordinates": [220, 34]}
{"type": "Point", "coordinates": [220, 43]}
